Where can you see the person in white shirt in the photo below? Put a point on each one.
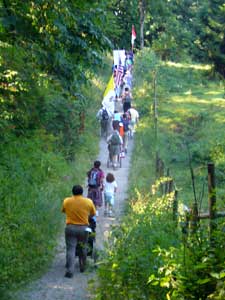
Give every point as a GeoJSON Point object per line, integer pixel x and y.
{"type": "Point", "coordinates": [134, 118]}
{"type": "Point", "coordinates": [110, 188]}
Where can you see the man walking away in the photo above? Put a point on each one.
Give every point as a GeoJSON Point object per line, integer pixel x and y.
{"type": "Point", "coordinates": [77, 209]}
{"type": "Point", "coordinates": [126, 100]}
{"type": "Point", "coordinates": [114, 144]}
{"type": "Point", "coordinates": [95, 184]}
{"type": "Point", "coordinates": [104, 119]}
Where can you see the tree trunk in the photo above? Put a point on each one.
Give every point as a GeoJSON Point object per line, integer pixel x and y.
{"type": "Point", "coordinates": [142, 5]}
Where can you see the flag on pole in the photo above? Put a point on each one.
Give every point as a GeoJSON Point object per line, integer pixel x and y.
{"type": "Point", "coordinates": [133, 36]}
{"type": "Point", "coordinates": [119, 75]}
{"type": "Point", "coordinates": [110, 86]}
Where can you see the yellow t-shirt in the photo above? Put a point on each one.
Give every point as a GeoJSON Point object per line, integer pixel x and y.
{"type": "Point", "coordinates": [78, 209]}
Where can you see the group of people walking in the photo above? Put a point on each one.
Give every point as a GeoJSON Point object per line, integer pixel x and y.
{"type": "Point", "coordinates": [117, 119]}
{"type": "Point", "coordinates": [80, 211]}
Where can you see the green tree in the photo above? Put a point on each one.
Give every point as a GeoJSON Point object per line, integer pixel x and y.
{"type": "Point", "coordinates": [211, 33]}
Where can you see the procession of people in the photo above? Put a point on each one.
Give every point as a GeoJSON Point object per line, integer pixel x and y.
{"type": "Point", "coordinates": [117, 121]}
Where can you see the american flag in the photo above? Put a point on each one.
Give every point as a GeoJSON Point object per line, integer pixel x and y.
{"type": "Point", "coordinates": [119, 75]}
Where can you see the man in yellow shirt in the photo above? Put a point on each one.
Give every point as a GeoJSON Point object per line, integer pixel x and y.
{"type": "Point", "coordinates": [78, 209]}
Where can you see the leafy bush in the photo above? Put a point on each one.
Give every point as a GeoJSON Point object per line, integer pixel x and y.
{"type": "Point", "coordinates": [131, 256]}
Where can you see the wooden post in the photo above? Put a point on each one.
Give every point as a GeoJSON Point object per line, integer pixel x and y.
{"type": "Point", "coordinates": [170, 189]}
{"type": "Point", "coordinates": [167, 182]}
{"type": "Point", "coordinates": [175, 207]}
{"type": "Point", "coordinates": [185, 227]}
{"type": "Point", "coordinates": [212, 198]}
{"type": "Point", "coordinates": [157, 164]}
{"type": "Point", "coordinates": [161, 174]}
{"type": "Point", "coordinates": [194, 218]}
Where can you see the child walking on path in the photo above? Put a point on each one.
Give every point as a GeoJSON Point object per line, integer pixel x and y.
{"type": "Point", "coordinates": [110, 189]}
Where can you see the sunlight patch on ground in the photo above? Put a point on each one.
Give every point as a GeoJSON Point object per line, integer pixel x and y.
{"type": "Point", "coordinates": [220, 119]}
{"type": "Point", "coordinates": [182, 111]}
{"type": "Point", "coordinates": [62, 287]}
{"type": "Point", "coordinates": [166, 121]}
{"type": "Point", "coordinates": [191, 99]}
{"type": "Point", "coordinates": [213, 93]}
{"type": "Point", "coordinates": [187, 66]}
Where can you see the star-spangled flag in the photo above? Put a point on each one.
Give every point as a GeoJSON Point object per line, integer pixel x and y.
{"type": "Point", "coordinates": [133, 35]}
{"type": "Point", "coordinates": [119, 75]}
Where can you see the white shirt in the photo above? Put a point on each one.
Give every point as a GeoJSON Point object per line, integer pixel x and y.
{"type": "Point", "coordinates": [110, 187]}
{"type": "Point", "coordinates": [134, 114]}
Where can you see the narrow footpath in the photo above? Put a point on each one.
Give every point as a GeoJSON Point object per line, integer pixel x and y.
{"type": "Point", "coordinates": [53, 285]}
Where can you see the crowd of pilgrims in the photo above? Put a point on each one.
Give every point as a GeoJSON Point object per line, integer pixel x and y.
{"type": "Point", "coordinates": [118, 113]}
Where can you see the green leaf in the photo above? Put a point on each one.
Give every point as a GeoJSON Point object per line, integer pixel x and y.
{"type": "Point", "coordinates": [203, 281]}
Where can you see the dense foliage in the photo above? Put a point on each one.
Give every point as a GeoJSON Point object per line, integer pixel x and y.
{"type": "Point", "coordinates": [175, 29]}
{"type": "Point", "coordinates": [148, 257]}
{"type": "Point", "coordinates": [49, 50]}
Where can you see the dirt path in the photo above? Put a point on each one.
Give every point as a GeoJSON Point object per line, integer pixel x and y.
{"type": "Point", "coordinates": [53, 285]}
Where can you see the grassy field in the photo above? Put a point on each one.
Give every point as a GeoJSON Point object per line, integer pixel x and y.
{"type": "Point", "coordinates": [191, 116]}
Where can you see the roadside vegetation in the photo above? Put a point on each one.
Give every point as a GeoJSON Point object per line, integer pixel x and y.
{"type": "Point", "coordinates": [148, 256]}
{"type": "Point", "coordinates": [35, 177]}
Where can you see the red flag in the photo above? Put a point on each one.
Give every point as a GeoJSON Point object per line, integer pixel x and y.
{"type": "Point", "coordinates": [133, 35]}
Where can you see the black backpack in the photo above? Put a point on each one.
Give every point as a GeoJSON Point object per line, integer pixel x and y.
{"type": "Point", "coordinates": [105, 115]}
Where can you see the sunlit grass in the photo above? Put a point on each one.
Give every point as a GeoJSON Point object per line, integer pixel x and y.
{"type": "Point", "coordinates": [220, 119]}
{"type": "Point", "coordinates": [212, 93]}
{"type": "Point", "coordinates": [188, 66]}
{"type": "Point", "coordinates": [193, 99]}
{"type": "Point", "coordinates": [193, 112]}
